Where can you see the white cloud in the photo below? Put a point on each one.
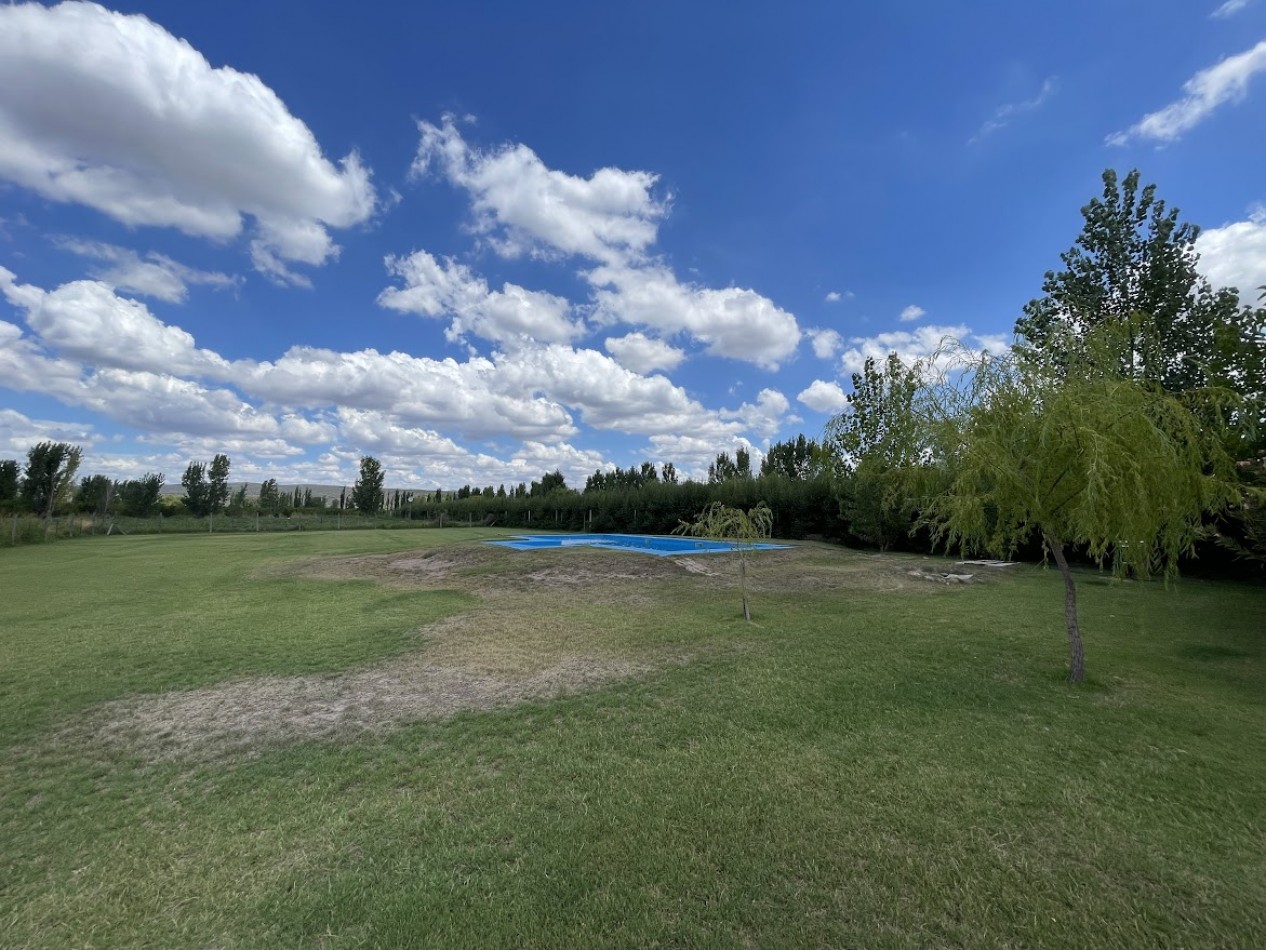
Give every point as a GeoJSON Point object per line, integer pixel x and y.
{"type": "Point", "coordinates": [381, 433]}
{"type": "Point", "coordinates": [823, 396]}
{"type": "Point", "coordinates": [132, 368]}
{"type": "Point", "coordinates": [736, 323]}
{"type": "Point", "coordinates": [18, 433]}
{"type": "Point", "coordinates": [522, 206]}
{"type": "Point", "coordinates": [112, 111]}
{"type": "Point", "coordinates": [429, 458]}
{"type": "Point", "coordinates": [435, 288]}
{"type": "Point", "coordinates": [642, 354]}
{"type": "Point", "coordinates": [764, 417]}
{"type": "Point", "coordinates": [87, 321]}
{"type": "Point", "coordinates": [834, 296]}
{"type": "Point", "coordinates": [1205, 91]}
{"type": "Point", "coordinates": [155, 275]}
{"type": "Point", "coordinates": [25, 367]}
{"type": "Point", "coordinates": [912, 312]}
{"type": "Point", "coordinates": [1003, 115]}
{"type": "Point", "coordinates": [526, 207]}
{"type": "Point", "coordinates": [1229, 9]}
{"type": "Point", "coordinates": [1234, 255]}
{"type": "Point", "coordinates": [167, 404]}
{"type": "Point", "coordinates": [207, 446]}
{"type": "Point", "coordinates": [826, 343]}
{"type": "Point", "coordinates": [418, 390]}
{"type": "Point", "coordinates": [917, 344]}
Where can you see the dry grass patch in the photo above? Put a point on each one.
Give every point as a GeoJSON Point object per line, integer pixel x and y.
{"type": "Point", "coordinates": [543, 628]}
{"type": "Point", "coordinates": [245, 718]}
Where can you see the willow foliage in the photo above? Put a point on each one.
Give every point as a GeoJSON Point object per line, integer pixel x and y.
{"type": "Point", "coordinates": [1111, 464]}
{"type": "Point", "coordinates": [719, 522]}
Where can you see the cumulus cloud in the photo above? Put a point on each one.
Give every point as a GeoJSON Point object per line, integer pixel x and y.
{"type": "Point", "coordinates": [912, 312]}
{"type": "Point", "coordinates": [642, 354]}
{"type": "Point", "coordinates": [18, 433]}
{"type": "Point", "coordinates": [417, 390]}
{"type": "Point", "coordinates": [435, 288]}
{"type": "Point", "coordinates": [826, 343]}
{"type": "Point", "coordinates": [833, 296]}
{"type": "Point", "coordinates": [733, 322]}
{"type": "Point", "coordinates": [522, 206]}
{"type": "Point", "coordinates": [155, 275]}
{"type": "Point", "coordinates": [111, 111]}
{"type": "Point", "coordinates": [1205, 91]}
{"type": "Point", "coordinates": [917, 344]}
{"type": "Point", "coordinates": [87, 321]}
{"type": "Point", "coordinates": [1234, 255]}
{"type": "Point", "coordinates": [26, 367]}
{"type": "Point", "coordinates": [134, 369]}
{"type": "Point", "coordinates": [823, 396]}
{"type": "Point", "coordinates": [433, 459]}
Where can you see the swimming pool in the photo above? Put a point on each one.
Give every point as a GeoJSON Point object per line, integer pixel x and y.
{"type": "Point", "coordinates": [657, 545]}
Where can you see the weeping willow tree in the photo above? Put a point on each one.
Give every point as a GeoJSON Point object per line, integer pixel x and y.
{"type": "Point", "coordinates": [743, 529]}
{"type": "Point", "coordinates": [1091, 460]}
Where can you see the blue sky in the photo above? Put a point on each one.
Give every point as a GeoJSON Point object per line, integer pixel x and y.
{"type": "Point", "coordinates": [485, 241]}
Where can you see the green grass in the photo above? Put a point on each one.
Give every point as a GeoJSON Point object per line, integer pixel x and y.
{"type": "Point", "coordinates": [878, 762]}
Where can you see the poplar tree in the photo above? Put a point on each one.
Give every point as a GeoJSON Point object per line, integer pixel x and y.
{"type": "Point", "coordinates": [367, 493]}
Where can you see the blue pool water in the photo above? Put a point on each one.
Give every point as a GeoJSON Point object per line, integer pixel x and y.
{"type": "Point", "coordinates": [642, 543]}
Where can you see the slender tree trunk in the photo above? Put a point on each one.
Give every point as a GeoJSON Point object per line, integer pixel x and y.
{"type": "Point", "coordinates": [1076, 654]}
{"type": "Point", "coordinates": [747, 613]}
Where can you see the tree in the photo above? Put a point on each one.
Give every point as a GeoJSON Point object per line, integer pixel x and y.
{"type": "Point", "coordinates": [723, 469]}
{"type": "Point", "coordinates": [878, 422]}
{"type": "Point", "coordinates": [1135, 265]}
{"type": "Point", "coordinates": [197, 489]}
{"type": "Point", "coordinates": [8, 482]}
{"type": "Point", "coordinates": [548, 484]}
{"type": "Point", "coordinates": [719, 522]}
{"type": "Point", "coordinates": [269, 496]}
{"type": "Point", "coordinates": [218, 484]}
{"type": "Point", "coordinates": [795, 459]}
{"type": "Point", "coordinates": [50, 472]}
{"type": "Point", "coordinates": [668, 473]}
{"type": "Point", "coordinates": [138, 497]}
{"type": "Point", "coordinates": [1086, 459]}
{"type": "Point", "coordinates": [94, 494]}
{"type": "Point", "coordinates": [876, 439]}
{"type": "Point", "coordinates": [367, 493]}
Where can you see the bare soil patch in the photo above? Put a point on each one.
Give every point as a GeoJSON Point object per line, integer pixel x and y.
{"type": "Point", "coordinates": [245, 718]}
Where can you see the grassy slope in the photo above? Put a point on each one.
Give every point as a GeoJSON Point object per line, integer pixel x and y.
{"type": "Point", "coordinates": [879, 769]}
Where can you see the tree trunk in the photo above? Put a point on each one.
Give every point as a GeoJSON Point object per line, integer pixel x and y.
{"type": "Point", "coordinates": [1076, 654]}
{"type": "Point", "coordinates": [747, 613]}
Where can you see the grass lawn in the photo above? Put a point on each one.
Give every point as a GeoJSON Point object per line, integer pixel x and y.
{"type": "Point", "coordinates": [410, 739]}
